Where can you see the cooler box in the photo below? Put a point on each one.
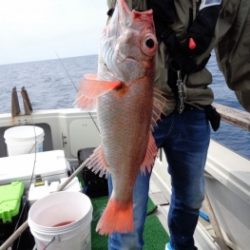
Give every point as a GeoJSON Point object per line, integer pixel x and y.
{"type": "Point", "coordinates": [10, 206]}
{"type": "Point", "coordinates": [49, 165]}
{"type": "Point", "coordinates": [37, 192]}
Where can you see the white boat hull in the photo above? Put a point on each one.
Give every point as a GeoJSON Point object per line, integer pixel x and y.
{"type": "Point", "coordinates": [227, 184]}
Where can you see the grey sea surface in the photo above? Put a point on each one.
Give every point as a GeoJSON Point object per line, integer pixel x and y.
{"type": "Point", "coordinates": [52, 84]}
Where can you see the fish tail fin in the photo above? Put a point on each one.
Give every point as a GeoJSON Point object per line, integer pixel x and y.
{"type": "Point", "coordinates": [117, 217]}
{"type": "Point", "coordinates": [151, 153]}
{"type": "Point", "coordinates": [90, 88]}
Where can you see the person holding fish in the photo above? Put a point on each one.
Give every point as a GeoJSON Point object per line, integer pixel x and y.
{"type": "Point", "coordinates": [152, 91]}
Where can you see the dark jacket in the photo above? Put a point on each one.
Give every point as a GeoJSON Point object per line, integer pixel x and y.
{"type": "Point", "coordinates": [231, 22]}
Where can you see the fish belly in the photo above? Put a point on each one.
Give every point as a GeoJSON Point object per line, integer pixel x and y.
{"type": "Point", "coordinates": [125, 124]}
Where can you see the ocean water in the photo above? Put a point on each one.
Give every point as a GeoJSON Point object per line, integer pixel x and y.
{"type": "Point", "coordinates": [52, 84]}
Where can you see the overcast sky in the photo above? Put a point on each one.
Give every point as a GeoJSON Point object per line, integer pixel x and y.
{"type": "Point", "coordinates": [39, 29]}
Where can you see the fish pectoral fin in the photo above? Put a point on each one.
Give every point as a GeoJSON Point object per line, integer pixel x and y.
{"type": "Point", "coordinates": [117, 217]}
{"type": "Point", "coordinates": [85, 103]}
{"type": "Point", "coordinates": [150, 155]}
{"type": "Point", "coordinates": [97, 163]}
{"type": "Point", "coordinates": [90, 88]}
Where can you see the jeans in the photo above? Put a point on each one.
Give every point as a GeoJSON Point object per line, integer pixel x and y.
{"type": "Point", "coordinates": [185, 140]}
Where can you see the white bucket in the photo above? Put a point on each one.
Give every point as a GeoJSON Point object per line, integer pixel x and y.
{"type": "Point", "coordinates": [24, 140]}
{"type": "Point", "coordinates": [62, 221]}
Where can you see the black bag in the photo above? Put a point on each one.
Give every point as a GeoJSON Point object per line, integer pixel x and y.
{"type": "Point", "coordinates": [94, 186]}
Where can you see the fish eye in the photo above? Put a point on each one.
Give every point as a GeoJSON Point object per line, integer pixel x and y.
{"type": "Point", "coordinates": [149, 44]}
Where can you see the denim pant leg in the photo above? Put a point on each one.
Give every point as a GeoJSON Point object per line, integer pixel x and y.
{"type": "Point", "coordinates": [134, 240]}
{"type": "Point", "coordinates": [185, 139]}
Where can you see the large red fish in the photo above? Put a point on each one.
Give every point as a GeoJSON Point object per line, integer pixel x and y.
{"type": "Point", "coordinates": [123, 92]}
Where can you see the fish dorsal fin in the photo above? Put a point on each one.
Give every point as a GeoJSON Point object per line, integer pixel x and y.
{"type": "Point", "coordinates": [150, 155]}
{"type": "Point", "coordinates": [91, 88]}
{"type": "Point", "coordinates": [159, 102]}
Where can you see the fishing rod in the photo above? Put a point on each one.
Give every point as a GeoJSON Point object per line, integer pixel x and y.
{"type": "Point", "coordinates": [74, 86]}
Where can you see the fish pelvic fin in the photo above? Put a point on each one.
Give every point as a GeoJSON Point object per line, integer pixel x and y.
{"type": "Point", "coordinates": [117, 217]}
{"type": "Point", "coordinates": [150, 155]}
{"type": "Point", "coordinates": [97, 163]}
{"type": "Point", "coordinates": [159, 102]}
{"type": "Point", "coordinates": [91, 88]}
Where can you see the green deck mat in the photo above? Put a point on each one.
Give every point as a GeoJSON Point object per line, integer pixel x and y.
{"type": "Point", "coordinates": [155, 237]}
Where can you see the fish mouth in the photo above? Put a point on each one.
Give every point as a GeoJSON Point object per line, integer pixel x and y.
{"type": "Point", "coordinates": [124, 58]}
{"type": "Point", "coordinates": [130, 58]}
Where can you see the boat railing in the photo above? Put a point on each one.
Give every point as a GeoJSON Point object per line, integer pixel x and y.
{"type": "Point", "coordinates": [235, 117]}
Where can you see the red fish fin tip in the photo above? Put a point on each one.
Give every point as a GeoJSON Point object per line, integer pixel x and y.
{"type": "Point", "coordinates": [90, 88]}
{"type": "Point", "coordinates": [117, 217]}
{"type": "Point", "coordinates": [93, 87]}
{"type": "Point", "coordinates": [96, 162]}
{"type": "Point", "coordinates": [151, 153]}
{"type": "Point", "coordinates": [85, 103]}
{"type": "Point", "coordinates": [159, 102]}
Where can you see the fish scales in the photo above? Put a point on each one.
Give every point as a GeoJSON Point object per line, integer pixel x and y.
{"type": "Point", "coordinates": [125, 123]}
